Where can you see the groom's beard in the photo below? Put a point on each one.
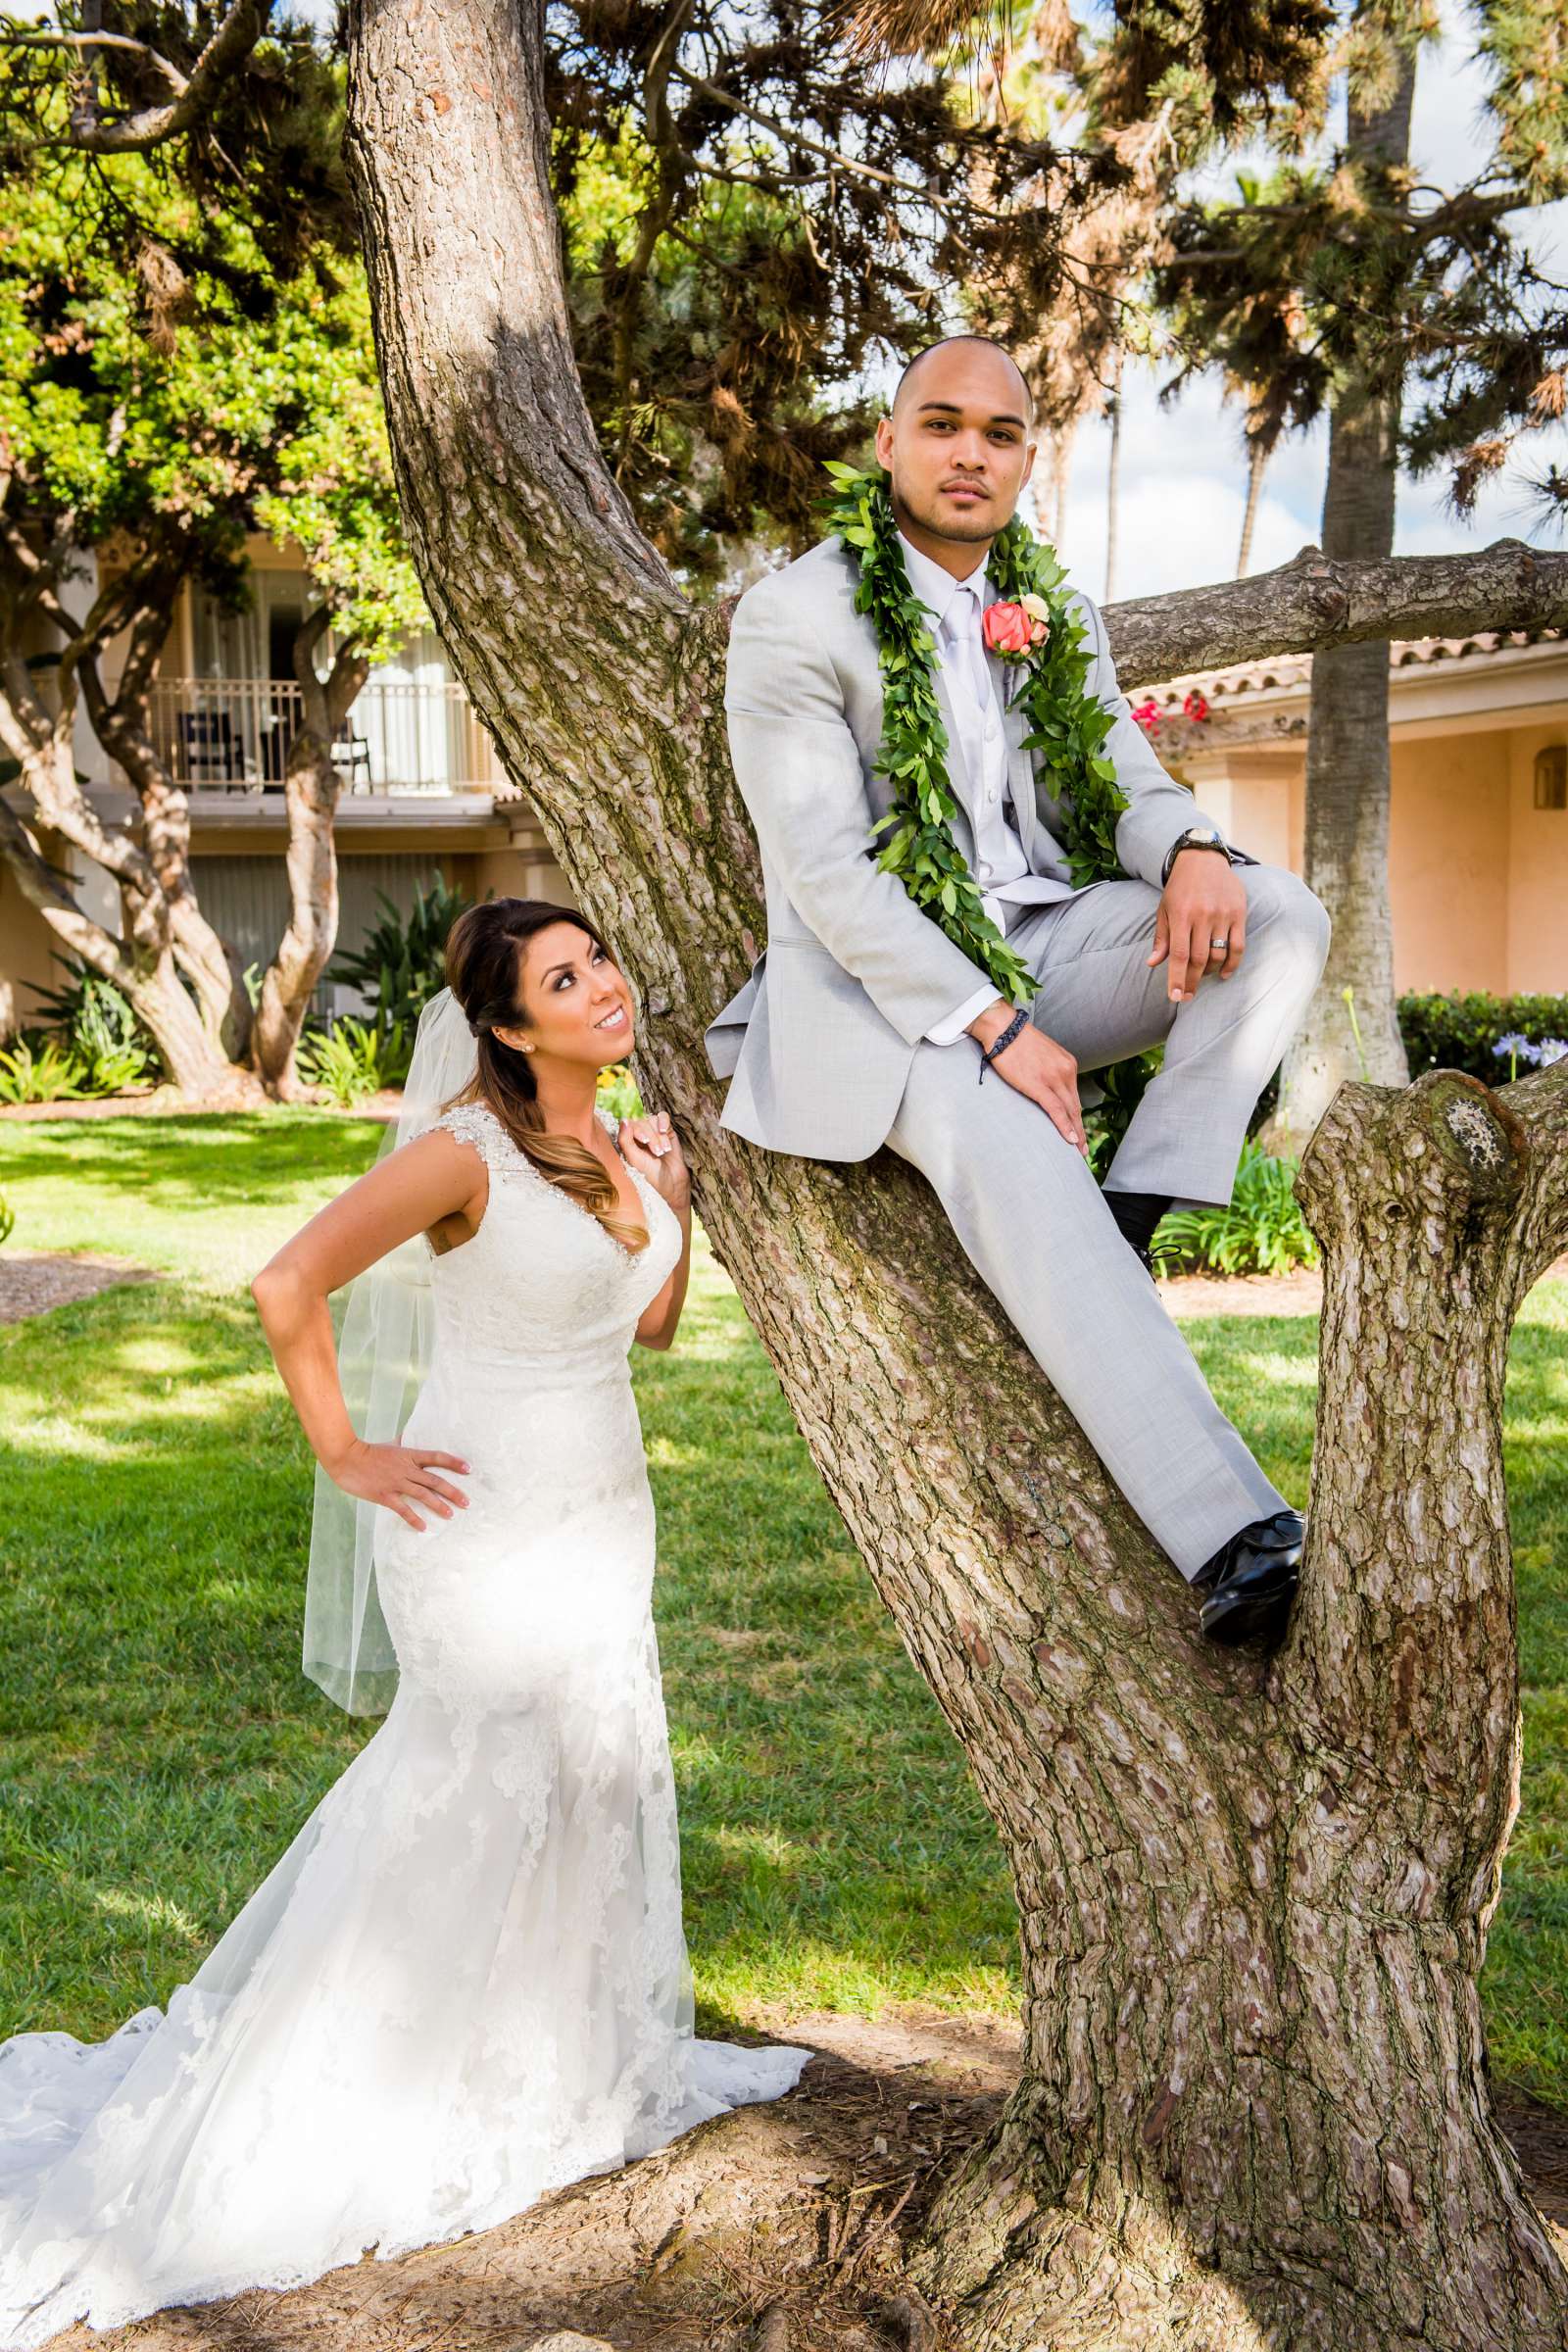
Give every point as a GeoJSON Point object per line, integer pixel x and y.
{"type": "Point", "coordinates": [963, 525]}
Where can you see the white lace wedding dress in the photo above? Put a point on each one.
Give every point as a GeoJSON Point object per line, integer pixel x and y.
{"type": "Point", "coordinates": [465, 1983]}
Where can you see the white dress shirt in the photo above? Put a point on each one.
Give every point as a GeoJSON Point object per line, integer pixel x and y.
{"type": "Point", "coordinates": [1001, 866]}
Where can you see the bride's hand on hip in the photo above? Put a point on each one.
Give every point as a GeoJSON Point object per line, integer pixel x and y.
{"type": "Point", "coordinates": [651, 1145]}
{"type": "Point", "coordinates": [402, 1478]}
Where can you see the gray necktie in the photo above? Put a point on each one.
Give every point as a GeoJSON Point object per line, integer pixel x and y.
{"type": "Point", "coordinates": [965, 622]}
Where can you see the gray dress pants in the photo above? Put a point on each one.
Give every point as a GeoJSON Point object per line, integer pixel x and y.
{"type": "Point", "coordinates": [1034, 1222]}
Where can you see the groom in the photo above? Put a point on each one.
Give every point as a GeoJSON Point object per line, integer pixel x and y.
{"type": "Point", "coordinates": [864, 1024]}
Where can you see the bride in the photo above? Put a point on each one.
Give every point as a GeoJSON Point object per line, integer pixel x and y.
{"type": "Point", "coordinates": [465, 1983]}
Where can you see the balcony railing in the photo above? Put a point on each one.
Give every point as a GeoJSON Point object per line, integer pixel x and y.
{"type": "Point", "coordinates": [234, 735]}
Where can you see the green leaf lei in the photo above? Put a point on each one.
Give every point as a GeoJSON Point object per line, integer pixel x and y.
{"type": "Point", "coordinates": [1067, 727]}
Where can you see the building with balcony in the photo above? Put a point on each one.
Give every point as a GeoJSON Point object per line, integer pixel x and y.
{"type": "Point", "coordinates": [422, 790]}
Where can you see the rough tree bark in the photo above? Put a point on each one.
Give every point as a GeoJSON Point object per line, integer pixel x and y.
{"type": "Point", "coordinates": [1253, 1903]}
{"type": "Point", "coordinates": [312, 786]}
{"type": "Point", "coordinates": [1348, 762]}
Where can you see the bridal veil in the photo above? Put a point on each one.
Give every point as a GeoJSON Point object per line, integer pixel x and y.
{"type": "Point", "coordinates": [384, 1341]}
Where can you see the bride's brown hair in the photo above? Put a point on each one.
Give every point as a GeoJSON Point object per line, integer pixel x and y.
{"type": "Point", "coordinates": [484, 972]}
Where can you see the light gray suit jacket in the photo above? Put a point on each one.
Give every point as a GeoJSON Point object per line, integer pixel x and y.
{"type": "Point", "coordinates": [820, 1041]}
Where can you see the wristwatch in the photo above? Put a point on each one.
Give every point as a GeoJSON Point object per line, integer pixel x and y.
{"type": "Point", "coordinates": [1195, 837]}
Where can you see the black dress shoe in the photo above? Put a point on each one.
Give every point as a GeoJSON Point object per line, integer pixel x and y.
{"type": "Point", "coordinates": [1250, 1581]}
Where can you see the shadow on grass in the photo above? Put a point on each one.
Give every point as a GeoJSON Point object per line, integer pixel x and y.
{"type": "Point", "coordinates": [222, 1158]}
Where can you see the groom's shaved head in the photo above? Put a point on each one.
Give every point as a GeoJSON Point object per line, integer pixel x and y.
{"type": "Point", "coordinates": [959, 444]}
{"type": "Point", "coordinates": [925, 363]}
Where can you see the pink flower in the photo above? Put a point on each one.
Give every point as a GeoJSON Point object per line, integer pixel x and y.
{"type": "Point", "coordinates": [1012, 629]}
{"type": "Point", "coordinates": [1195, 705]}
{"type": "Point", "coordinates": [1148, 716]}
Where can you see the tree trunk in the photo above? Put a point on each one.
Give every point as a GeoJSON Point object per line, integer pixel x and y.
{"type": "Point", "coordinates": [1253, 1903]}
{"type": "Point", "coordinates": [122, 724]}
{"type": "Point", "coordinates": [311, 785]}
{"type": "Point", "coordinates": [1257, 467]}
{"type": "Point", "coordinates": [1054, 509]}
{"type": "Point", "coordinates": [1347, 856]}
{"type": "Point", "coordinates": [1113, 484]}
{"type": "Point", "coordinates": [1255, 2108]}
{"type": "Point", "coordinates": [142, 960]}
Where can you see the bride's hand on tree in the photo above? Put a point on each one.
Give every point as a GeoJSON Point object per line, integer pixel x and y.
{"type": "Point", "coordinates": [400, 1478]}
{"type": "Point", "coordinates": [651, 1145]}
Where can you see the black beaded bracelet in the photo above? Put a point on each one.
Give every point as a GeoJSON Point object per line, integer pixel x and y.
{"type": "Point", "coordinates": [1006, 1039]}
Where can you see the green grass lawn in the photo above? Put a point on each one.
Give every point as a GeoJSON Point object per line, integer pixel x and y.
{"type": "Point", "coordinates": [160, 1746]}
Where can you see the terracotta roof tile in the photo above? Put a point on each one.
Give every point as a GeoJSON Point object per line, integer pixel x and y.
{"type": "Point", "coordinates": [1283, 671]}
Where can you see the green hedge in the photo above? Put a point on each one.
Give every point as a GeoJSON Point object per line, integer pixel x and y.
{"type": "Point", "coordinates": [1455, 1032]}
{"type": "Point", "coordinates": [1459, 1033]}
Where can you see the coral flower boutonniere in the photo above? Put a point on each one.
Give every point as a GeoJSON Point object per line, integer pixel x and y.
{"type": "Point", "coordinates": [1014, 631]}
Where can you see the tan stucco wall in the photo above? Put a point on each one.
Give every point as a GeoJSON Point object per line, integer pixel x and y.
{"type": "Point", "coordinates": [1537, 871]}
{"type": "Point", "coordinates": [1478, 877]}
{"type": "Point", "coordinates": [1448, 832]}
{"type": "Point", "coordinates": [1266, 806]}
{"type": "Point", "coordinates": [26, 947]}
{"type": "Point", "coordinates": [521, 874]}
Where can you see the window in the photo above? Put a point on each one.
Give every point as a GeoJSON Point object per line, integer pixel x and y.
{"type": "Point", "coordinates": [1551, 776]}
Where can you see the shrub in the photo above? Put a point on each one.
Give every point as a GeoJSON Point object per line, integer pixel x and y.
{"type": "Point", "coordinates": [1261, 1231]}
{"type": "Point", "coordinates": [402, 964]}
{"type": "Point", "coordinates": [8, 1220]}
{"type": "Point", "coordinates": [1106, 1123]}
{"type": "Point", "coordinates": [98, 1028]}
{"type": "Point", "coordinates": [1461, 1032]}
{"type": "Point", "coordinates": [38, 1069]}
{"type": "Point", "coordinates": [352, 1059]}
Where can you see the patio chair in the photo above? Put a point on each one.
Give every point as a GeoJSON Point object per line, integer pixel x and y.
{"type": "Point", "coordinates": [208, 746]}
{"type": "Point", "coordinates": [352, 753]}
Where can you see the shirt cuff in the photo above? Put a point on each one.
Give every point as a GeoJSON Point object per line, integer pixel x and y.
{"type": "Point", "coordinates": [948, 1032]}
